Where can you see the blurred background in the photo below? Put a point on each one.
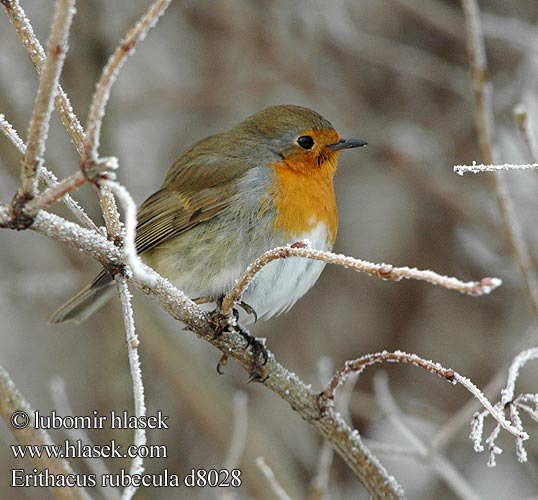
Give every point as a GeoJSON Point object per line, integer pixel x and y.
{"type": "Point", "coordinates": [392, 72]}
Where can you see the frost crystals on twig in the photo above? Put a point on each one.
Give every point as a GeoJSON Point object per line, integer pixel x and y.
{"type": "Point", "coordinates": [383, 271]}
{"type": "Point", "coordinates": [358, 366]}
{"type": "Point", "coordinates": [39, 123]}
{"type": "Point", "coordinates": [476, 168]}
{"type": "Point", "coordinates": [528, 403]}
{"type": "Point", "coordinates": [129, 247]}
{"type": "Point", "coordinates": [140, 439]}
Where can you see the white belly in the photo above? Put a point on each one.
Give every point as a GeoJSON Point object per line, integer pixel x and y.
{"type": "Point", "coordinates": [282, 282]}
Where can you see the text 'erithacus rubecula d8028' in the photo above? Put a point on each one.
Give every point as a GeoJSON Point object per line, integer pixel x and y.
{"type": "Point", "coordinates": [229, 198]}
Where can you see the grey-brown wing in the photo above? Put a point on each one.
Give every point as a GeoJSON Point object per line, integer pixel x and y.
{"type": "Point", "coordinates": [198, 185]}
{"type": "Point", "coordinates": [168, 213]}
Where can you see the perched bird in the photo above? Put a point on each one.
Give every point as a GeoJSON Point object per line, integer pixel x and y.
{"type": "Point", "coordinates": [230, 197]}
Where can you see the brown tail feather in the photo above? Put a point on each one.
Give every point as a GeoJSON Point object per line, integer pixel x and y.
{"type": "Point", "coordinates": [92, 297]}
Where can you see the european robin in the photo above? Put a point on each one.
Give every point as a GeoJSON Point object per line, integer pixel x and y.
{"type": "Point", "coordinates": [230, 197]}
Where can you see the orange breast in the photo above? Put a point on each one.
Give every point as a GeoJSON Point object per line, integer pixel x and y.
{"type": "Point", "coordinates": [303, 196]}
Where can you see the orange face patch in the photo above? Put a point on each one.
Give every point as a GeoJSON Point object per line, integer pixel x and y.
{"type": "Point", "coordinates": [303, 192]}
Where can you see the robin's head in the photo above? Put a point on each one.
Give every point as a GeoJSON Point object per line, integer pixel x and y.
{"type": "Point", "coordinates": [296, 137]}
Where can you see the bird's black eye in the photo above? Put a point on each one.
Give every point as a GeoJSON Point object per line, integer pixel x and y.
{"type": "Point", "coordinates": [305, 141]}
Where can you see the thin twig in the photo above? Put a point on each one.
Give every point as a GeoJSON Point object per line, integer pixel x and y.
{"type": "Point", "coordinates": [110, 73]}
{"type": "Point", "coordinates": [63, 407]}
{"type": "Point", "coordinates": [33, 47]}
{"type": "Point", "coordinates": [128, 240]}
{"type": "Point", "coordinates": [476, 168]}
{"type": "Point", "coordinates": [513, 373]}
{"type": "Point", "coordinates": [45, 175]}
{"type": "Point", "coordinates": [275, 486]}
{"type": "Point", "coordinates": [358, 366]}
{"type": "Point", "coordinates": [483, 108]}
{"type": "Point", "coordinates": [237, 442]}
{"type": "Point", "coordinates": [97, 110]}
{"type": "Point", "coordinates": [12, 401]}
{"type": "Point", "coordinates": [39, 123]}
{"type": "Point", "coordinates": [239, 435]}
{"type": "Point", "coordinates": [140, 439]}
{"type": "Point", "coordinates": [56, 193]}
{"type": "Point", "coordinates": [383, 271]}
{"type": "Point", "coordinates": [319, 485]}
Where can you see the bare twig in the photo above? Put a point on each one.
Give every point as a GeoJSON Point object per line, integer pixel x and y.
{"type": "Point", "coordinates": [97, 109]}
{"type": "Point", "coordinates": [237, 442]}
{"type": "Point", "coordinates": [45, 175]}
{"type": "Point", "coordinates": [476, 168]}
{"type": "Point", "coordinates": [301, 398]}
{"type": "Point", "coordinates": [140, 439]}
{"type": "Point", "coordinates": [358, 366]}
{"type": "Point", "coordinates": [483, 90]}
{"type": "Point", "coordinates": [383, 271]}
{"type": "Point", "coordinates": [39, 123]}
{"type": "Point", "coordinates": [239, 435]}
{"type": "Point", "coordinates": [110, 73]}
{"type": "Point", "coordinates": [20, 21]}
{"type": "Point", "coordinates": [55, 193]}
{"type": "Point", "coordinates": [275, 486]}
{"type": "Point", "coordinates": [513, 373]}
{"type": "Point", "coordinates": [12, 401]}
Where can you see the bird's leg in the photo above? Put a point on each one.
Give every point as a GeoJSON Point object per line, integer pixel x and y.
{"type": "Point", "coordinates": [222, 324]}
{"type": "Point", "coordinates": [203, 300]}
{"type": "Point", "coordinates": [259, 352]}
{"type": "Point", "coordinates": [249, 310]}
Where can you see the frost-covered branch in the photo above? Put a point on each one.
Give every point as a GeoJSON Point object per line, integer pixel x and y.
{"type": "Point", "coordinates": [383, 271]}
{"type": "Point", "coordinates": [45, 175]}
{"type": "Point", "coordinates": [11, 401]}
{"type": "Point", "coordinates": [483, 112]}
{"type": "Point", "coordinates": [528, 403]}
{"type": "Point", "coordinates": [90, 158]}
{"type": "Point", "coordinates": [476, 168]}
{"type": "Point", "coordinates": [22, 25]}
{"type": "Point", "coordinates": [131, 338]}
{"type": "Point", "coordinates": [129, 233]}
{"type": "Point", "coordinates": [39, 123]}
{"type": "Point", "coordinates": [110, 73]}
{"type": "Point", "coordinates": [358, 366]}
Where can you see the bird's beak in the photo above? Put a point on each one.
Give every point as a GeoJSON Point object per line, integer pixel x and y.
{"type": "Point", "coordinates": [347, 144]}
